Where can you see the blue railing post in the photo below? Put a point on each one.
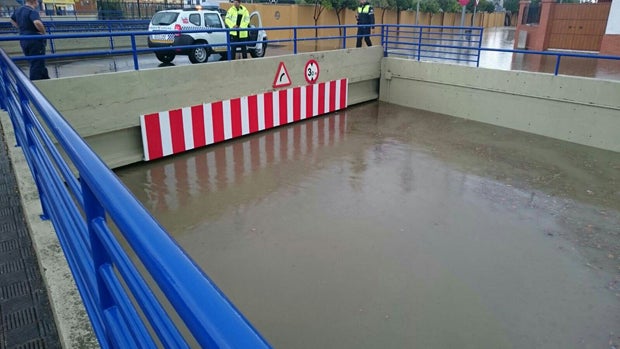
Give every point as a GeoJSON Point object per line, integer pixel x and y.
{"type": "Point", "coordinates": [23, 101]}
{"type": "Point", "coordinates": [24, 105]}
{"type": "Point", "coordinates": [479, 45]}
{"type": "Point", "coordinates": [384, 40]}
{"type": "Point", "coordinates": [420, 42]}
{"type": "Point", "coordinates": [111, 38]}
{"type": "Point", "coordinates": [557, 65]}
{"type": "Point", "coordinates": [134, 52]}
{"type": "Point", "coordinates": [52, 45]}
{"type": "Point", "coordinates": [94, 211]}
{"type": "Point", "coordinates": [228, 48]}
{"type": "Point", "coordinates": [344, 37]}
{"type": "Point", "coordinates": [4, 80]}
{"type": "Point", "coordinates": [295, 41]}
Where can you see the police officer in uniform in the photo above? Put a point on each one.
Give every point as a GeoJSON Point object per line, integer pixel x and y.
{"type": "Point", "coordinates": [28, 21]}
{"type": "Point", "coordinates": [238, 17]}
{"type": "Point", "coordinates": [365, 16]}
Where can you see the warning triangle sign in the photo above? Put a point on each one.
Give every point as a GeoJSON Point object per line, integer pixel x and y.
{"type": "Point", "coordinates": [282, 78]}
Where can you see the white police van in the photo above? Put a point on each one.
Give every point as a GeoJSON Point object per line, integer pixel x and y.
{"type": "Point", "coordinates": [197, 19]}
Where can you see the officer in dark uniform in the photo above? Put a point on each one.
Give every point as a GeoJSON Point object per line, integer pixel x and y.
{"type": "Point", "coordinates": [365, 16]}
{"type": "Point", "coordinates": [28, 21]}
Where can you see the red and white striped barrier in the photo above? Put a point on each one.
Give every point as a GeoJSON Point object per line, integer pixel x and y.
{"type": "Point", "coordinates": [175, 131]}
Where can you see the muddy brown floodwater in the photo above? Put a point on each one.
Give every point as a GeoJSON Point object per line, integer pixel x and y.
{"type": "Point", "coordinates": [388, 227]}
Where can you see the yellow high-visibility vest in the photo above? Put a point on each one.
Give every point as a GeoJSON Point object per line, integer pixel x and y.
{"type": "Point", "coordinates": [231, 20]}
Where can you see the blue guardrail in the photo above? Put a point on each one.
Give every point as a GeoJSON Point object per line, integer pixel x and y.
{"type": "Point", "coordinates": [79, 195]}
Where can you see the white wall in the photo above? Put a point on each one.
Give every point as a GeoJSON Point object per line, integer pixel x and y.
{"type": "Point", "coordinates": [573, 109]}
{"type": "Point", "coordinates": [105, 109]}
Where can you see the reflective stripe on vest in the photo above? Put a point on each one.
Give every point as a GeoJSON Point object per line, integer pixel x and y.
{"type": "Point", "coordinates": [364, 9]}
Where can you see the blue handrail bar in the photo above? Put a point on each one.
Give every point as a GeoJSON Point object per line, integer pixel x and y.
{"type": "Point", "coordinates": [122, 308]}
{"type": "Point", "coordinates": [89, 26]}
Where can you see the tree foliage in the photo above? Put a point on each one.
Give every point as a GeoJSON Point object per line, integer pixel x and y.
{"type": "Point", "coordinates": [383, 5]}
{"type": "Point", "coordinates": [483, 6]}
{"type": "Point", "coordinates": [430, 6]}
{"type": "Point", "coordinates": [337, 5]}
{"type": "Point", "coordinates": [511, 5]}
{"type": "Point", "coordinates": [340, 5]}
{"type": "Point", "coordinates": [449, 6]}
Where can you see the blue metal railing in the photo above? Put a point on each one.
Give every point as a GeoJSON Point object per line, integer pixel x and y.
{"type": "Point", "coordinates": [423, 42]}
{"type": "Point", "coordinates": [455, 44]}
{"type": "Point", "coordinates": [122, 307]}
{"type": "Point", "coordinates": [462, 45]}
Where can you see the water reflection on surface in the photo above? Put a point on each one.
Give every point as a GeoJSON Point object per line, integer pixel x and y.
{"type": "Point", "coordinates": [387, 227]}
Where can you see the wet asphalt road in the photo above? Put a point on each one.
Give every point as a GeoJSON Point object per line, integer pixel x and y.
{"type": "Point", "coordinates": [388, 227]}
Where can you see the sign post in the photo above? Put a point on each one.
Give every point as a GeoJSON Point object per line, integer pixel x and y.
{"type": "Point", "coordinates": [473, 20]}
{"type": "Point", "coordinates": [463, 4]}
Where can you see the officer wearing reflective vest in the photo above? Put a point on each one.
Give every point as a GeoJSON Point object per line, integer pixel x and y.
{"type": "Point", "coordinates": [238, 17]}
{"type": "Point", "coordinates": [365, 18]}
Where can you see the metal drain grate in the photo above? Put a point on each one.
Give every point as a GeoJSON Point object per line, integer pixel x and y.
{"type": "Point", "coordinates": [8, 245]}
{"type": "Point", "coordinates": [33, 344]}
{"type": "Point", "coordinates": [19, 318]}
{"type": "Point", "coordinates": [14, 290]}
{"type": "Point", "coordinates": [26, 320]}
{"type": "Point", "coordinates": [11, 267]}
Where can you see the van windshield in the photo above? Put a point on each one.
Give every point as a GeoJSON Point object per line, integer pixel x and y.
{"type": "Point", "coordinates": [164, 18]}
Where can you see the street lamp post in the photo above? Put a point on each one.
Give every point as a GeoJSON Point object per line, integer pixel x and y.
{"type": "Point", "coordinates": [463, 3]}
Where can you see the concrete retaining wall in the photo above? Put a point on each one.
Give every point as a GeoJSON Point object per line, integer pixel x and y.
{"type": "Point", "coordinates": [105, 108]}
{"type": "Point", "coordinates": [574, 109]}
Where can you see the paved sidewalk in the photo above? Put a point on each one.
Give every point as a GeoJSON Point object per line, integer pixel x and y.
{"type": "Point", "coordinates": [26, 319]}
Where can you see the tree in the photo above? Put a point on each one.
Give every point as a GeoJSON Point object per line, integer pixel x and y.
{"type": "Point", "coordinates": [430, 6]}
{"type": "Point", "coordinates": [449, 6]}
{"type": "Point", "coordinates": [384, 5]}
{"type": "Point", "coordinates": [486, 6]}
{"type": "Point", "coordinates": [319, 7]}
{"type": "Point", "coordinates": [401, 5]}
{"type": "Point", "coordinates": [483, 6]}
{"type": "Point", "coordinates": [512, 5]}
{"type": "Point", "coordinates": [337, 5]}
{"type": "Point", "coordinates": [340, 5]}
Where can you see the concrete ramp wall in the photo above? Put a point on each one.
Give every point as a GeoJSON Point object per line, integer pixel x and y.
{"type": "Point", "coordinates": [105, 109]}
{"type": "Point", "coordinates": [574, 109]}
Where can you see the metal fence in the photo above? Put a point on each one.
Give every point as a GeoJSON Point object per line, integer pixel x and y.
{"type": "Point", "coordinates": [461, 45]}
{"type": "Point", "coordinates": [433, 43]}
{"type": "Point", "coordinates": [86, 203]}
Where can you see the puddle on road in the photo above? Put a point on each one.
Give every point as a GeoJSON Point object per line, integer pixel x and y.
{"type": "Point", "coordinates": [388, 227]}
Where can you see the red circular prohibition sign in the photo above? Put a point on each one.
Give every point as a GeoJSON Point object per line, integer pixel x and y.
{"type": "Point", "coordinates": [311, 71]}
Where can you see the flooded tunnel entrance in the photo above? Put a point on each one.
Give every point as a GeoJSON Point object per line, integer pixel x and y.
{"type": "Point", "coordinates": [384, 226]}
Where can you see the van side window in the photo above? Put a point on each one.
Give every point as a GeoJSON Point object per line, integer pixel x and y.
{"type": "Point", "coordinates": [212, 20]}
{"type": "Point", "coordinates": [194, 19]}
